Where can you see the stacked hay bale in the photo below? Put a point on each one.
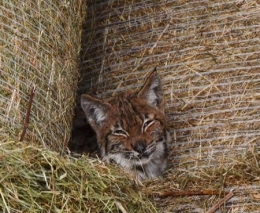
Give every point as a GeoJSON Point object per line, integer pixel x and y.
{"type": "Point", "coordinates": [39, 49]}
{"type": "Point", "coordinates": [39, 54]}
{"type": "Point", "coordinates": [207, 55]}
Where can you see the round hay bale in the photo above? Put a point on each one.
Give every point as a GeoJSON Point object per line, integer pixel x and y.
{"type": "Point", "coordinates": [39, 51]}
{"type": "Point", "coordinates": [207, 55]}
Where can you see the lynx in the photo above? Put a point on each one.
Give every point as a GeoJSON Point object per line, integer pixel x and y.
{"type": "Point", "coordinates": [131, 129]}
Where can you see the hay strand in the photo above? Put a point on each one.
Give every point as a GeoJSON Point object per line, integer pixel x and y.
{"type": "Point", "coordinates": [221, 202]}
{"type": "Point", "coordinates": [27, 115]}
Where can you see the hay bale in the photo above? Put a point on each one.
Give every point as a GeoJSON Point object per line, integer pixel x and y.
{"type": "Point", "coordinates": [40, 45]}
{"type": "Point", "coordinates": [35, 179]}
{"type": "Point", "coordinates": [207, 55]}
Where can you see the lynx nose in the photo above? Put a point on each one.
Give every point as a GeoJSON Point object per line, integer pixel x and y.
{"type": "Point", "coordinates": [140, 147]}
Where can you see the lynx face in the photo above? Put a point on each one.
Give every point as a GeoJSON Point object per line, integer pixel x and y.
{"type": "Point", "coordinates": [131, 129]}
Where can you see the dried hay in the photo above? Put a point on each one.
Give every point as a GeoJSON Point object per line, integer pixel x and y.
{"type": "Point", "coordinates": [241, 177]}
{"type": "Point", "coordinates": [207, 54]}
{"type": "Point", "coordinates": [40, 45]}
{"type": "Point", "coordinates": [34, 179]}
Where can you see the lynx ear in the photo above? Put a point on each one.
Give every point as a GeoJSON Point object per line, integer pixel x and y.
{"type": "Point", "coordinates": [152, 90]}
{"type": "Point", "coordinates": [95, 109]}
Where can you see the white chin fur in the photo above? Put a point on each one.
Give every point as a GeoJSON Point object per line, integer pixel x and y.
{"type": "Point", "coordinates": [152, 166]}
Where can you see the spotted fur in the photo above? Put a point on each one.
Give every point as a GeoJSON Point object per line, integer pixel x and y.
{"type": "Point", "coordinates": [131, 128]}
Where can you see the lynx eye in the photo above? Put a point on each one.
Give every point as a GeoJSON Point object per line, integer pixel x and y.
{"type": "Point", "coordinates": [147, 123]}
{"type": "Point", "coordinates": [120, 132]}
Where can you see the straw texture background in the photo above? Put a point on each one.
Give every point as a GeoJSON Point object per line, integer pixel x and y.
{"type": "Point", "coordinates": [40, 48]}
{"type": "Point", "coordinates": [207, 54]}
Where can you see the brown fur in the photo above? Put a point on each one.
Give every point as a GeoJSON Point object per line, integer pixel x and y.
{"type": "Point", "coordinates": [131, 128]}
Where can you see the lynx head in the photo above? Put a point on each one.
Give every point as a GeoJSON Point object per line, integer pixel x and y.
{"type": "Point", "coordinates": [131, 128]}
